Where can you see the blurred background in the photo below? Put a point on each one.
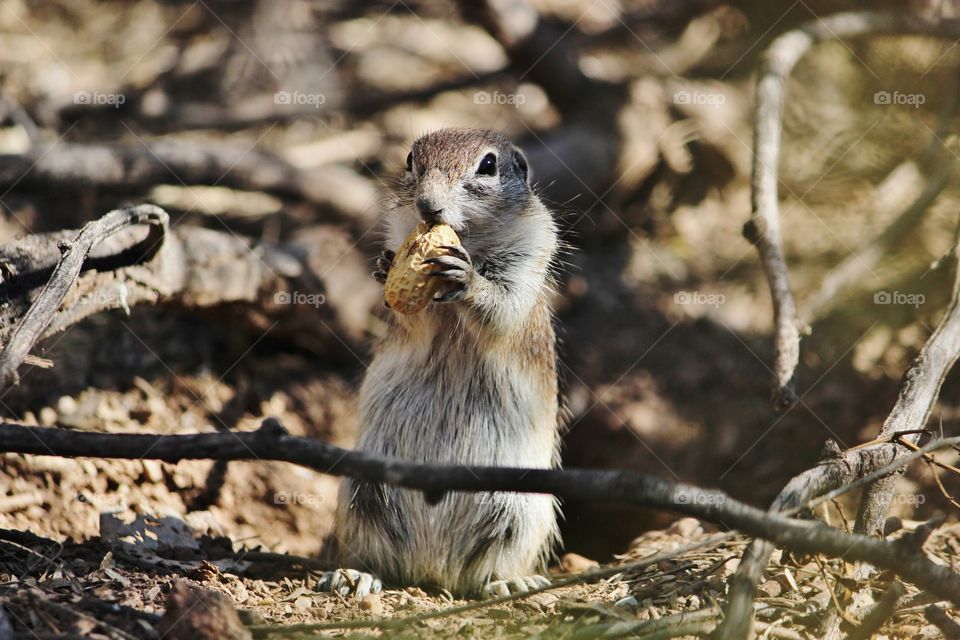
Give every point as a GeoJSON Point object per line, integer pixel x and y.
{"type": "Point", "coordinates": [286, 122]}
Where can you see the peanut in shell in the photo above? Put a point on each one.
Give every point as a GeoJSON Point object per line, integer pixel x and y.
{"type": "Point", "coordinates": [409, 287]}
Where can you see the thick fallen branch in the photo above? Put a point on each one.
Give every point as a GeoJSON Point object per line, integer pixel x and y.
{"type": "Point", "coordinates": [947, 625]}
{"type": "Point", "coordinates": [763, 228]}
{"type": "Point", "coordinates": [304, 291]}
{"type": "Point", "coordinates": [271, 442]}
{"type": "Point", "coordinates": [41, 313]}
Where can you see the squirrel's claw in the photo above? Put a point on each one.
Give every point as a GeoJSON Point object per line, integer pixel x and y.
{"type": "Point", "coordinates": [456, 272]}
{"type": "Point", "coordinates": [384, 262]}
{"type": "Point", "coordinates": [521, 584]}
{"type": "Point", "coordinates": [347, 581]}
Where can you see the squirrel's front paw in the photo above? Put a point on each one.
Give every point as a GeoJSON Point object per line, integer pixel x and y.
{"type": "Point", "coordinates": [455, 270]}
{"type": "Point", "coordinates": [384, 262]}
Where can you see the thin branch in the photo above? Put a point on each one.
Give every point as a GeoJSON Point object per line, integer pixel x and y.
{"type": "Point", "coordinates": [939, 618]}
{"type": "Point", "coordinates": [922, 381]}
{"type": "Point", "coordinates": [879, 614]}
{"type": "Point", "coordinates": [302, 290]}
{"type": "Point", "coordinates": [271, 442]}
{"type": "Point", "coordinates": [763, 228]}
{"type": "Point", "coordinates": [919, 391]}
{"type": "Point", "coordinates": [41, 313]}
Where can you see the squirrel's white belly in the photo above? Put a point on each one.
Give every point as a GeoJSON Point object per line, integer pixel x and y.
{"type": "Point", "coordinates": [455, 408]}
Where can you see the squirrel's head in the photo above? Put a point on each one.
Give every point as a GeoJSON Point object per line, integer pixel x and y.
{"type": "Point", "coordinates": [474, 180]}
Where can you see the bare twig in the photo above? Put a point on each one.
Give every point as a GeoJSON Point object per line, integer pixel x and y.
{"type": "Point", "coordinates": [947, 625]}
{"type": "Point", "coordinates": [918, 393]}
{"type": "Point", "coordinates": [271, 442]}
{"type": "Point", "coordinates": [879, 614]}
{"type": "Point", "coordinates": [922, 382]}
{"type": "Point", "coordinates": [41, 313]}
{"type": "Point", "coordinates": [303, 290]}
{"type": "Point", "coordinates": [763, 228]}
{"type": "Point", "coordinates": [838, 472]}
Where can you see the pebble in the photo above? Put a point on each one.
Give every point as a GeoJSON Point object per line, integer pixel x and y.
{"type": "Point", "coordinates": [372, 604]}
{"type": "Point", "coordinates": [575, 563]}
{"type": "Point", "coordinates": [771, 588]}
{"type": "Point", "coordinates": [48, 416]}
{"type": "Point", "coordinates": [546, 600]}
{"type": "Point", "coordinates": [66, 405]}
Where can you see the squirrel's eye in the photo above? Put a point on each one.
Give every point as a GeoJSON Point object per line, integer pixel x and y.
{"type": "Point", "coordinates": [488, 166]}
{"type": "Point", "coordinates": [410, 161]}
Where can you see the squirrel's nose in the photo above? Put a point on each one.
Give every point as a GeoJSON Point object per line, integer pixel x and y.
{"type": "Point", "coordinates": [429, 210]}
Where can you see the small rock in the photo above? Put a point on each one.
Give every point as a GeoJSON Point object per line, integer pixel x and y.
{"type": "Point", "coordinates": [627, 603]}
{"type": "Point", "coordinates": [372, 604]}
{"type": "Point", "coordinates": [546, 599]}
{"type": "Point", "coordinates": [251, 617]}
{"type": "Point", "coordinates": [48, 416]}
{"type": "Point", "coordinates": [575, 563]}
{"type": "Point", "coordinates": [66, 405]}
{"type": "Point", "coordinates": [197, 614]}
{"type": "Point", "coordinates": [303, 602]}
{"type": "Point", "coordinates": [153, 470]}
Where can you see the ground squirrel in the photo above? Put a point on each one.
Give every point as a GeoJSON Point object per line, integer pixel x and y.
{"type": "Point", "coordinates": [472, 379]}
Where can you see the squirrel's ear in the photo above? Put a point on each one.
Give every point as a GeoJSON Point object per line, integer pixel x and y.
{"type": "Point", "coordinates": [521, 161]}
